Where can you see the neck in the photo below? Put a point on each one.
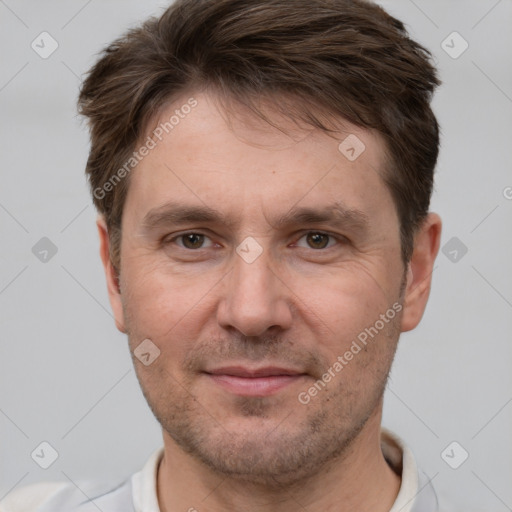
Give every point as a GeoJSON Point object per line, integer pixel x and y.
{"type": "Point", "coordinates": [360, 481]}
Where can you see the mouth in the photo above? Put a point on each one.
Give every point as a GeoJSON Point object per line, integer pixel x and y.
{"type": "Point", "coordinates": [244, 381]}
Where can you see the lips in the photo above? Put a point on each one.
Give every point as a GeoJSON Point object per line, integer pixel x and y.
{"type": "Point", "coordinates": [240, 371]}
{"type": "Point", "coordinates": [245, 381]}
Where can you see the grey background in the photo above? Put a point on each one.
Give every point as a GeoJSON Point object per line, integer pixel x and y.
{"type": "Point", "coordinates": [65, 372]}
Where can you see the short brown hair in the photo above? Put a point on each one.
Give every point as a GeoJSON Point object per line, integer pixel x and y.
{"type": "Point", "coordinates": [347, 58]}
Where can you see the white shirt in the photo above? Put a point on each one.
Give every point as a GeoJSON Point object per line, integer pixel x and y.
{"type": "Point", "coordinates": [138, 493]}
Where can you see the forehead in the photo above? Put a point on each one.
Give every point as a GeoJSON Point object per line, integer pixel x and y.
{"type": "Point", "coordinates": [233, 160]}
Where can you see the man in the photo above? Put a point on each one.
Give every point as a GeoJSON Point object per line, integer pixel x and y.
{"type": "Point", "coordinates": [262, 172]}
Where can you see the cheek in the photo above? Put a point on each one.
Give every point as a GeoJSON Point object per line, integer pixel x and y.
{"type": "Point", "coordinates": [161, 305]}
{"type": "Point", "coordinates": [345, 302]}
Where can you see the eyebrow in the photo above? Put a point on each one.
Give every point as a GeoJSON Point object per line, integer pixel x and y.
{"type": "Point", "coordinates": [336, 214]}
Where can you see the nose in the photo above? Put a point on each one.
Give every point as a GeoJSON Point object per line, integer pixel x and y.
{"type": "Point", "coordinates": [255, 299]}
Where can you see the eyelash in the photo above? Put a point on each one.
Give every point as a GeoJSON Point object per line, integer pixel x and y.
{"type": "Point", "coordinates": [340, 239]}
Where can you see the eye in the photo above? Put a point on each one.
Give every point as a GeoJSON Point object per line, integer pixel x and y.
{"type": "Point", "coordinates": [190, 241]}
{"type": "Point", "coordinates": [317, 240]}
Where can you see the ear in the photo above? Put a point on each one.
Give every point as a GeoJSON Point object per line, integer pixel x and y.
{"type": "Point", "coordinates": [419, 271]}
{"type": "Point", "coordinates": [114, 292]}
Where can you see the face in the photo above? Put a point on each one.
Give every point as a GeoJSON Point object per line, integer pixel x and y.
{"type": "Point", "coordinates": [255, 262]}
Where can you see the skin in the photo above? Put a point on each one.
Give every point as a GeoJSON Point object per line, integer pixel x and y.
{"type": "Point", "coordinates": [299, 305]}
